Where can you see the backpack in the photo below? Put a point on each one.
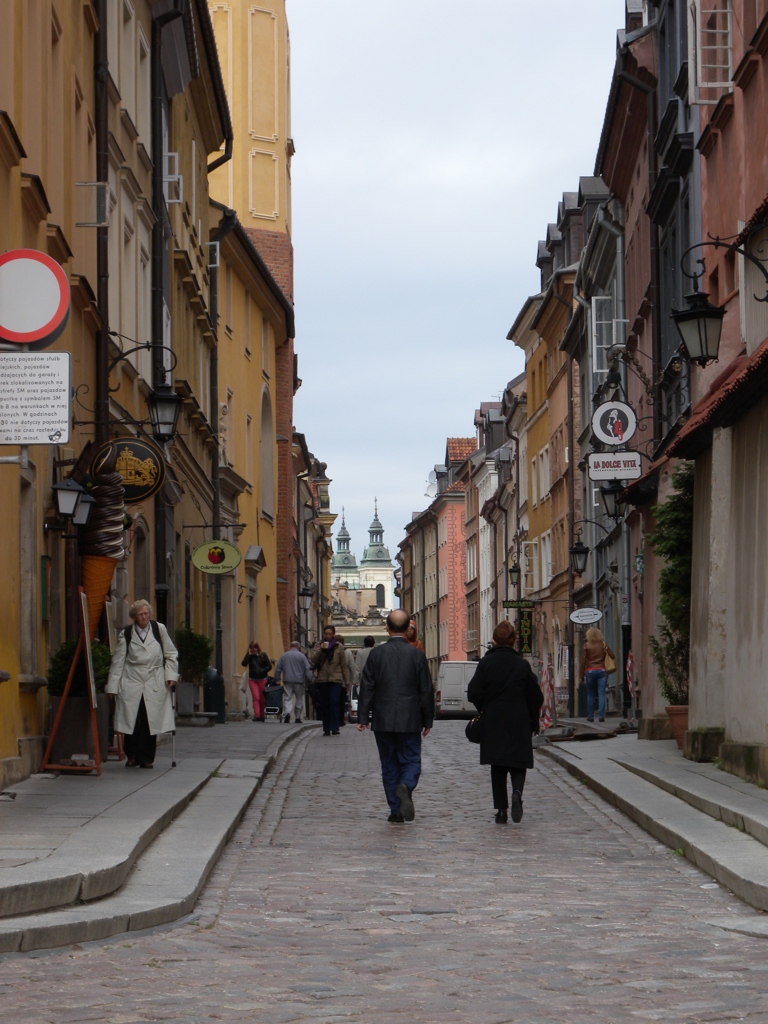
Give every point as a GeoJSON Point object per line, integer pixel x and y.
{"type": "Point", "coordinates": [128, 632]}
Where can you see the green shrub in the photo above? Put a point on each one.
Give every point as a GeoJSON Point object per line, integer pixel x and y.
{"type": "Point", "coordinates": [195, 653]}
{"type": "Point", "coordinates": [61, 661]}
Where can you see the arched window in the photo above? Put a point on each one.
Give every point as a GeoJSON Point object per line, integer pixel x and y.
{"type": "Point", "coordinates": [379, 595]}
{"type": "Point", "coordinates": [267, 446]}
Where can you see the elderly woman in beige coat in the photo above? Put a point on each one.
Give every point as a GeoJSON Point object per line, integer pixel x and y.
{"type": "Point", "coordinates": [144, 668]}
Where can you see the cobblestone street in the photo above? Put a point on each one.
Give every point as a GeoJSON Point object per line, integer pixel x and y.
{"type": "Point", "coordinates": [319, 910]}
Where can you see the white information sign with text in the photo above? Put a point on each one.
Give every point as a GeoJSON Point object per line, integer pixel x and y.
{"type": "Point", "coordinates": [614, 465]}
{"type": "Point", "coordinates": [34, 397]}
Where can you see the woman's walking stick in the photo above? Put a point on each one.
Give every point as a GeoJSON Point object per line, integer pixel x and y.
{"type": "Point", "coordinates": [173, 734]}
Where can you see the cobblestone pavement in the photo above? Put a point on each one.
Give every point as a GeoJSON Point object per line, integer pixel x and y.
{"type": "Point", "coordinates": [321, 911]}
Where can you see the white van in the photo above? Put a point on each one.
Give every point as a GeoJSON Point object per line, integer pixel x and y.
{"type": "Point", "coordinates": [452, 681]}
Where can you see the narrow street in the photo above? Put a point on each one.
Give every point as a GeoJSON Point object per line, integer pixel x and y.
{"type": "Point", "coordinates": [319, 910]}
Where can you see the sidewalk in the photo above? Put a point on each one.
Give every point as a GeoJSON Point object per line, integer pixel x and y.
{"type": "Point", "coordinates": [716, 820]}
{"type": "Point", "coordinates": [139, 843]}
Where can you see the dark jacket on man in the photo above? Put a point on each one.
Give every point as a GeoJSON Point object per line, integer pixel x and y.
{"type": "Point", "coordinates": [396, 689]}
{"type": "Point", "coordinates": [505, 689]}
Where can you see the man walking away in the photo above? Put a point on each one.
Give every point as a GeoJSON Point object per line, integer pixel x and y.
{"type": "Point", "coordinates": [396, 695]}
{"type": "Point", "coordinates": [294, 669]}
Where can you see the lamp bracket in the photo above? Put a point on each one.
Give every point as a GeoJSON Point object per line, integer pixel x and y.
{"type": "Point", "coordinates": [715, 242]}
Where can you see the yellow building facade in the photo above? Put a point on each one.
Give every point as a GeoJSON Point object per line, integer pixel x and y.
{"type": "Point", "coordinates": [47, 143]}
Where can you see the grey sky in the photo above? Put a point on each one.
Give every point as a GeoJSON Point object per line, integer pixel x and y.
{"type": "Point", "coordinates": [434, 140]}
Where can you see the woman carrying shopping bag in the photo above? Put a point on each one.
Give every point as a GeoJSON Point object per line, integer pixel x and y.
{"type": "Point", "coordinates": [597, 660]}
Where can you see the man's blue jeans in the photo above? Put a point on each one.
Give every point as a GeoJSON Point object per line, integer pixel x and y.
{"type": "Point", "coordinates": [597, 679]}
{"type": "Point", "coordinates": [400, 756]}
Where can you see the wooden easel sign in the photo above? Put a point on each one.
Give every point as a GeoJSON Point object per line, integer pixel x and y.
{"type": "Point", "coordinates": [83, 644]}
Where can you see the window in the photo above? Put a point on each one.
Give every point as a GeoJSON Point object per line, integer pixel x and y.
{"type": "Point", "coordinates": [249, 448]}
{"type": "Point", "coordinates": [265, 345]}
{"type": "Point", "coordinates": [379, 595]}
{"type": "Point", "coordinates": [266, 443]}
{"type": "Point", "coordinates": [128, 60]}
{"type": "Point", "coordinates": [712, 44]}
{"type": "Point", "coordinates": [544, 473]}
{"type": "Point", "coordinates": [247, 324]}
{"type": "Point", "coordinates": [534, 549]}
{"type": "Point", "coordinates": [534, 481]}
{"type": "Point", "coordinates": [228, 299]}
{"type": "Point", "coordinates": [143, 94]}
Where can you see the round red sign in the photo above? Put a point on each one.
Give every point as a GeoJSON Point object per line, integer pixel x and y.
{"type": "Point", "coordinates": [34, 298]}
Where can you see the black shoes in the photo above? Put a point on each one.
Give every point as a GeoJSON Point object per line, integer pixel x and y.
{"type": "Point", "coordinates": [517, 807]}
{"type": "Point", "coordinates": [501, 817]}
{"type": "Point", "coordinates": [287, 719]}
{"type": "Point", "coordinates": [406, 802]}
{"type": "Point", "coordinates": [297, 721]}
{"type": "Point", "coordinates": [396, 819]}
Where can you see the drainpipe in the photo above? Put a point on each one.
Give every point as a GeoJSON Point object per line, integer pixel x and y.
{"type": "Point", "coordinates": [101, 112]}
{"type": "Point", "coordinates": [569, 423]}
{"type": "Point", "coordinates": [228, 222]}
{"type": "Point", "coordinates": [587, 307]}
{"type": "Point", "coordinates": [626, 622]}
{"type": "Point", "coordinates": [650, 94]}
{"type": "Point", "coordinates": [159, 257]}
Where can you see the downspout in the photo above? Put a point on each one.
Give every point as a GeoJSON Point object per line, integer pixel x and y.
{"type": "Point", "coordinates": [569, 389]}
{"type": "Point", "coordinates": [650, 94]}
{"type": "Point", "coordinates": [228, 222]}
{"type": "Point", "coordinates": [158, 267]}
{"type": "Point", "coordinates": [159, 256]}
{"type": "Point", "coordinates": [626, 621]}
{"type": "Point", "coordinates": [101, 112]}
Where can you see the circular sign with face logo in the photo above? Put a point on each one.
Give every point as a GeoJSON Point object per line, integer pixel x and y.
{"type": "Point", "coordinates": [216, 556]}
{"type": "Point", "coordinates": [614, 422]}
{"type": "Point", "coordinates": [34, 298]}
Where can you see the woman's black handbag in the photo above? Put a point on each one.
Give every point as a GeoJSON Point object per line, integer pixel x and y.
{"type": "Point", "coordinates": [474, 729]}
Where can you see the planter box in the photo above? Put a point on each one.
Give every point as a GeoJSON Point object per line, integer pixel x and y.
{"type": "Point", "coordinates": [74, 732]}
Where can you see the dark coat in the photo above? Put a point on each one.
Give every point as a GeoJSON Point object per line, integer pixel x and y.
{"type": "Point", "coordinates": [396, 688]}
{"type": "Point", "coordinates": [505, 689]}
{"type": "Point", "coordinates": [258, 665]}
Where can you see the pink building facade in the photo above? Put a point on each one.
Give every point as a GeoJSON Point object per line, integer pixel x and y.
{"type": "Point", "coordinates": [451, 573]}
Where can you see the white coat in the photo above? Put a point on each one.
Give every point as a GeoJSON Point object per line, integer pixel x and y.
{"type": "Point", "coordinates": [140, 670]}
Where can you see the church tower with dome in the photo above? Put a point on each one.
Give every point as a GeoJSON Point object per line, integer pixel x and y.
{"type": "Point", "coordinates": [343, 563]}
{"type": "Point", "coordinates": [376, 569]}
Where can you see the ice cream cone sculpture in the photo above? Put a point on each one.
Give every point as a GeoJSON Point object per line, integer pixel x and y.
{"type": "Point", "coordinates": [97, 578]}
{"type": "Point", "coordinates": [102, 546]}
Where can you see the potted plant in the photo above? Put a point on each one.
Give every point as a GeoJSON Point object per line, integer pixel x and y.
{"type": "Point", "coordinates": [670, 649]}
{"type": "Point", "coordinates": [74, 733]}
{"type": "Point", "coordinates": [195, 652]}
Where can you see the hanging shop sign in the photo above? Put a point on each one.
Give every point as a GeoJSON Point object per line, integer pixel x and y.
{"type": "Point", "coordinates": [614, 466]}
{"type": "Point", "coordinates": [34, 298]}
{"type": "Point", "coordinates": [585, 616]}
{"type": "Point", "coordinates": [614, 422]}
{"type": "Point", "coordinates": [522, 603]}
{"type": "Point", "coordinates": [525, 632]}
{"type": "Point", "coordinates": [34, 397]}
{"type": "Point", "coordinates": [216, 556]}
{"type": "Point", "coordinates": [141, 465]}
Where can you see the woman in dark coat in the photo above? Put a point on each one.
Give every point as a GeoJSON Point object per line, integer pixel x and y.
{"type": "Point", "coordinates": [505, 690]}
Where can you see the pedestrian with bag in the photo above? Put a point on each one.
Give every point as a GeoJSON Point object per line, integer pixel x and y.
{"type": "Point", "coordinates": [331, 676]}
{"type": "Point", "coordinates": [144, 668]}
{"type": "Point", "coordinates": [396, 695]}
{"type": "Point", "coordinates": [506, 693]}
{"type": "Point", "coordinates": [294, 670]}
{"type": "Point", "coordinates": [258, 664]}
{"type": "Point", "coordinates": [597, 660]}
